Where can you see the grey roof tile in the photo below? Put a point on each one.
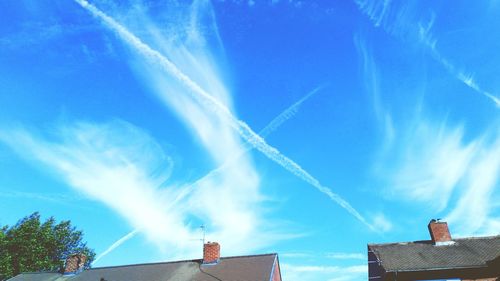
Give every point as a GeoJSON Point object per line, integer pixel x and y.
{"type": "Point", "coordinates": [424, 255]}
{"type": "Point", "coordinates": [242, 268]}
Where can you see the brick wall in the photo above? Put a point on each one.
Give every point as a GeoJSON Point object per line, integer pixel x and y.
{"type": "Point", "coordinates": [211, 252]}
{"type": "Point", "coordinates": [439, 231]}
{"type": "Point", "coordinates": [74, 263]}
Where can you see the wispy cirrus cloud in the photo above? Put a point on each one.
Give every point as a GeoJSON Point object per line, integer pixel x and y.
{"type": "Point", "coordinates": [429, 161]}
{"type": "Point", "coordinates": [115, 163]}
{"type": "Point", "coordinates": [234, 219]}
{"type": "Point", "coordinates": [124, 168]}
{"type": "Point", "coordinates": [49, 197]}
{"type": "Point", "coordinates": [186, 191]}
{"type": "Point", "coordinates": [401, 20]}
{"type": "Point", "coordinates": [329, 255]}
{"type": "Point", "coordinates": [476, 211]}
{"type": "Point", "coordinates": [204, 96]}
{"type": "Point", "coordinates": [31, 34]}
{"type": "Point", "coordinates": [265, 132]}
{"type": "Point", "coordinates": [371, 83]}
{"type": "Point", "coordinates": [434, 164]}
{"type": "Point", "coordinates": [295, 272]}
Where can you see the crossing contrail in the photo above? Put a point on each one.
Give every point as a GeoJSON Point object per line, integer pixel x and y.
{"type": "Point", "coordinates": [116, 244]}
{"type": "Point", "coordinates": [268, 129]}
{"type": "Point", "coordinates": [271, 127]}
{"type": "Point", "coordinates": [212, 104]}
{"type": "Point", "coordinates": [288, 113]}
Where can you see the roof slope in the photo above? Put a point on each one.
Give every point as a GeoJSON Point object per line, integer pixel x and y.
{"type": "Point", "coordinates": [243, 268]}
{"type": "Point", "coordinates": [424, 255]}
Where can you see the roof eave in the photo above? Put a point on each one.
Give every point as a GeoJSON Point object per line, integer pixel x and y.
{"type": "Point", "coordinates": [437, 268]}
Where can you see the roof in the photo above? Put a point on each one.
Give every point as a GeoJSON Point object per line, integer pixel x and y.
{"type": "Point", "coordinates": [424, 255]}
{"type": "Point", "coordinates": [241, 268]}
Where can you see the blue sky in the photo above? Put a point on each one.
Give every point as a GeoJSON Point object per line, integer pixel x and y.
{"type": "Point", "coordinates": [305, 128]}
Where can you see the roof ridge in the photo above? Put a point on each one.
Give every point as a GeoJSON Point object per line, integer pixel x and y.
{"type": "Point", "coordinates": [249, 256]}
{"type": "Point", "coordinates": [478, 237]}
{"type": "Point", "coordinates": [430, 241]}
{"type": "Point", "coordinates": [179, 261]}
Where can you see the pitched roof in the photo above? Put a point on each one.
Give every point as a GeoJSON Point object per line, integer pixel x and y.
{"type": "Point", "coordinates": [241, 268]}
{"type": "Point", "coordinates": [424, 255]}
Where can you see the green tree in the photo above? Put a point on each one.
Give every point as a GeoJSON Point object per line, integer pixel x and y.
{"type": "Point", "coordinates": [32, 245]}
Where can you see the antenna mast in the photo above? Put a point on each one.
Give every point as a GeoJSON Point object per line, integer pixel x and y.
{"type": "Point", "coordinates": [203, 231]}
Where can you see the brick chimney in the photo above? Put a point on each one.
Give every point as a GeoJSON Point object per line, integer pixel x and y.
{"type": "Point", "coordinates": [74, 263]}
{"type": "Point", "coordinates": [440, 234]}
{"type": "Point", "coordinates": [211, 252]}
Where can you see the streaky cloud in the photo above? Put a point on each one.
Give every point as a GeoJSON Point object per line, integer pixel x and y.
{"type": "Point", "coordinates": [371, 82]}
{"type": "Point", "coordinates": [304, 271]}
{"type": "Point", "coordinates": [399, 24]}
{"type": "Point", "coordinates": [115, 163]}
{"type": "Point", "coordinates": [212, 104]}
{"type": "Point", "coordinates": [474, 212]}
{"type": "Point", "coordinates": [433, 163]}
{"type": "Point", "coordinates": [331, 255]}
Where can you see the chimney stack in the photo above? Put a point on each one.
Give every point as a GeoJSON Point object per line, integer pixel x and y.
{"type": "Point", "coordinates": [211, 252]}
{"type": "Point", "coordinates": [440, 234]}
{"type": "Point", "coordinates": [74, 263]}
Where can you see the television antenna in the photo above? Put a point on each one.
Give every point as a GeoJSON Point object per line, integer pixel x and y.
{"type": "Point", "coordinates": [202, 227]}
{"type": "Point", "coordinates": [202, 239]}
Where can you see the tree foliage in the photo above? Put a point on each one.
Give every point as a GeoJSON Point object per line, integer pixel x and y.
{"type": "Point", "coordinates": [32, 245]}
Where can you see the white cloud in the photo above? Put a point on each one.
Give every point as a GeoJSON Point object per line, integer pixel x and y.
{"type": "Point", "coordinates": [435, 165]}
{"type": "Point", "coordinates": [49, 197]}
{"type": "Point", "coordinates": [32, 34]}
{"type": "Point", "coordinates": [115, 163]}
{"type": "Point", "coordinates": [331, 255]}
{"type": "Point", "coordinates": [346, 256]}
{"type": "Point", "coordinates": [292, 272]}
{"type": "Point", "coordinates": [382, 223]}
{"type": "Point", "coordinates": [316, 268]}
{"type": "Point", "coordinates": [178, 82]}
{"type": "Point", "coordinates": [433, 160]}
{"type": "Point", "coordinates": [403, 21]}
{"type": "Point", "coordinates": [371, 82]}
{"type": "Point", "coordinates": [121, 166]}
{"type": "Point", "coordinates": [429, 162]}
{"type": "Point", "coordinates": [471, 215]}
{"type": "Point", "coordinates": [186, 80]}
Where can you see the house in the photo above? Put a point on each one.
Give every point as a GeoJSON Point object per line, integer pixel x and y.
{"type": "Point", "coordinates": [211, 268]}
{"type": "Point", "coordinates": [441, 258]}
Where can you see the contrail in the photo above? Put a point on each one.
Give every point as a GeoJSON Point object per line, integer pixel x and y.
{"type": "Point", "coordinates": [268, 129]}
{"type": "Point", "coordinates": [131, 234]}
{"type": "Point", "coordinates": [271, 127]}
{"type": "Point", "coordinates": [468, 80]}
{"type": "Point", "coordinates": [215, 106]}
{"type": "Point", "coordinates": [116, 244]}
{"type": "Point", "coordinates": [288, 113]}
{"type": "Point", "coordinates": [376, 14]}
